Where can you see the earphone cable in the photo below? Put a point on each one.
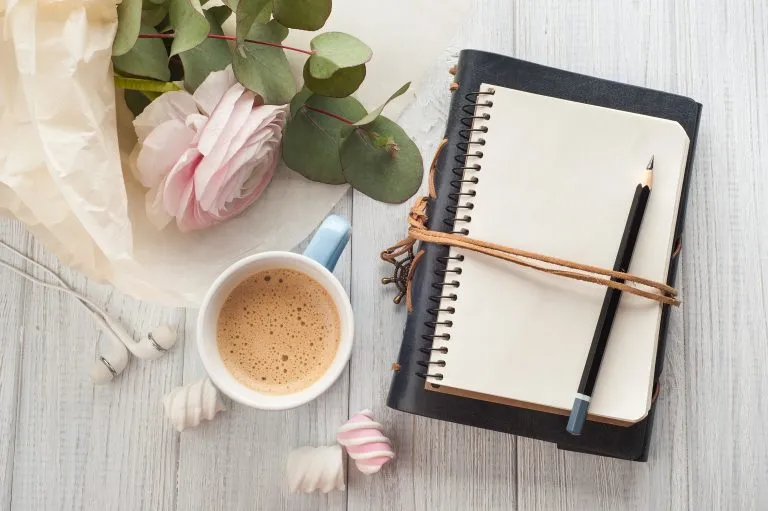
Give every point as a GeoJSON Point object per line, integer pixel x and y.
{"type": "Point", "coordinates": [98, 314]}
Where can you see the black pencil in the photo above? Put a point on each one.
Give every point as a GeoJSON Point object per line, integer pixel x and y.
{"type": "Point", "coordinates": [610, 304]}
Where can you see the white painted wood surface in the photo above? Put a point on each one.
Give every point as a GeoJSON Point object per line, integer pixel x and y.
{"type": "Point", "coordinates": [65, 444]}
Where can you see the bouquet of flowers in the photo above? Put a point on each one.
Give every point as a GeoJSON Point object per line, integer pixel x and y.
{"type": "Point", "coordinates": [213, 111]}
{"type": "Point", "coordinates": [127, 197]}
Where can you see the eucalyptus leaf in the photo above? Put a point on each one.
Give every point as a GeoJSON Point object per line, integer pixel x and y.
{"type": "Point", "coordinates": [266, 14]}
{"type": "Point", "coordinates": [311, 139]}
{"type": "Point", "coordinates": [299, 100]}
{"type": "Point", "coordinates": [150, 95]}
{"type": "Point", "coordinates": [265, 69]}
{"type": "Point", "coordinates": [189, 24]}
{"type": "Point", "coordinates": [147, 58]}
{"type": "Point", "coordinates": [376, 113]}
{"type": "Point", "coordinates": [154, 14]}
{"type": "Point", "coordinates": [232, 4]}
{"type": "Point", "coordinates": [334, 51]}
{"type": "Point", "coordinates": [210, 55]}
{"type": "Point", "coordinates": [388, 143]}
{"type": "Point", "coordinates": [340, 85]}
{"type": "Point", "coordinates": [386, 174]}
{"type": "Point", "coordinates": [136, 101]}
{"type": "Point", "coordinates": [156, 2]}
{"type": "Point", "coordinates": [128, 26]}
{"type": "Point", "coordinates": [219, 14]}
{"type": "Point", "coordinates": [271, 32]}
{"type": "Point", "coordinates": [302, 14]}
{"type": "Point", "coordinates": [247, 12]}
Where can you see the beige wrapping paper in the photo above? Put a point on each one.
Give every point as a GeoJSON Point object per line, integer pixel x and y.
{"type": "Point", "coordinates": [60, 161]}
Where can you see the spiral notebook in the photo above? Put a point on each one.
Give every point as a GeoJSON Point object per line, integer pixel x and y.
{"type": "Point", "coordinates": [555, 177]}
{"type": "Point", "coordinates": [501, 346]}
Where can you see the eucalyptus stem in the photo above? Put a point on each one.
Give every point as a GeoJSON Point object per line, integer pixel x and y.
{"type": "Point", "coordinates": [329, 114]}
{"type": "Point", "coordinates": [144, 84]}
{"type": "Point", "coordinates": [230, 38]}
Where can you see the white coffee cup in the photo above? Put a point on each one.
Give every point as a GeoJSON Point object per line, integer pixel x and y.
{"type": "Point", "coordinates": [318, 261]}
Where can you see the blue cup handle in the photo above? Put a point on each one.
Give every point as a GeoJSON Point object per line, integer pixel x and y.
{"type": "Point", "coordinates": [329, 241]}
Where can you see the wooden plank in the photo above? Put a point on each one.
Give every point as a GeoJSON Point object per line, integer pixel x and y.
{"type": "Point", "coordinates": [131, 453]}
{"type": "Point", "coordinates": [552, 479]}
{"type": "Point", "coordinates": [238, 460]}
{"type": "Point", "coordinates": [594, 38]}
{"type": "Point", "coordinates": [439, 465]}
{"type": "Point", "coordinates": [725, 255]}
{"type": "Point", "coordinates": [11, 328]}
{"type": "Point", "coordinates": [79, 446]}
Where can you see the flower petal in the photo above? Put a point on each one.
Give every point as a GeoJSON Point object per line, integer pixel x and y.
{"type": "Point", "coordinates": [238, 205]}
{"type": "Point", "coordinates": [259, 118]}
{"type": "Point", "coordinates": [196, 122]}
{"type": "Point", "coordinates": [250, 147]}
{"type": "Point", "coordinates": [133, 159]}
{"type": "Point", "coordinates": [209, 174]}
{"type": "Point", "coordinates": [171, 105]}
{"type": "Point", "coordinates": [161, 149]}
{"type": "Point", "coordinates": [210, 92]}
{"type": "Point", "coordinates": [195, 218]}
{"type": "Point", "coordinates": [185, 218]}
{"type": "Point", "coordinates": [220, 117]}
{"type": "Point", "coordinates": [180, 181]}
{"type": "Point", "coordinates": [190, 217]}
{"type": "Point", "coordinates": [245, 170]}
{"type": "Point", "coordinates": [154, 208]}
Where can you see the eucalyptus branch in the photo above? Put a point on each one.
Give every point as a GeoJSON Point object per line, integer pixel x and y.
{"type": "Point", "coordinates": [144, 84]}
{"type": "Point", "coordinates": [230, 38]}
{"type": "Point", "coordinates": [386, 142]}
{"type": "Point", "coordinates": [329, 114]}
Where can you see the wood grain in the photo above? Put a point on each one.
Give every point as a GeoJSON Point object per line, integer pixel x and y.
{"type": "Point", "coordinates": [725, 257]}
{"type": "Point", "coordinates": [11, 330]}
{"type": "Point", "coordinates": [65, 444]}
{"type": "Point", "coordinates": [239, 459]}
{"type": "Point", "coordinates": [79, 446]}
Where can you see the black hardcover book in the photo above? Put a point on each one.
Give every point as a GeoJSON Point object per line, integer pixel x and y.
{"type": "Point", "coordinates": [407, 392]}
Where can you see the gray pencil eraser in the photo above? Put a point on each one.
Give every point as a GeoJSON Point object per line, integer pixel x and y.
{"type": "Point", "coordinates": [578, 416]}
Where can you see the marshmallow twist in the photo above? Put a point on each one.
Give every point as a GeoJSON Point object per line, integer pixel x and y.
{"type": "Point", "coordinates": [365, 442]}
{"type": "Point", "coordinates": [187, 406]}
{"type": "Point", "coordinates": [315, 468]}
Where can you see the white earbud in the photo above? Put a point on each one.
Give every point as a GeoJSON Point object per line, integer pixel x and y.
{"type": "Point", "coordinates": [151, 346]}
{"type": "Point", "coordinates": [114, 359]}
{"type": "Point", "coordinates": [110, 363]}
{"type": "Point", "coordinates": [162, 338]}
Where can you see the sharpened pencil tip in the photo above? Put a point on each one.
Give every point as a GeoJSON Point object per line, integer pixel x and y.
{"type": "Point", "coordinates": [648, 174]}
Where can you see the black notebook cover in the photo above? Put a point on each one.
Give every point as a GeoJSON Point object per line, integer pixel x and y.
{"type": "Point", "coordinates": [407, 392]}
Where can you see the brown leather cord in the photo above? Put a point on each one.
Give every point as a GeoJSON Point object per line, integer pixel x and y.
{"type": "Point", "coordinates": [418, 231]}
{"type": "Point", "coordinates": [433, 168]}
{"type": "Point", "coordinates": [678, 247]}
{"type": "Point", "coordinates": [411, 269]}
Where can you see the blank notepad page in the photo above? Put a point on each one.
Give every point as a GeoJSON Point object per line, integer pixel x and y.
{"type": "Point", "coordinates": [558, 178]}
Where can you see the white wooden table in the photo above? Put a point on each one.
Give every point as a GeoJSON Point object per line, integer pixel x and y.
{"type": "Point", "coordinates": [65, 444]}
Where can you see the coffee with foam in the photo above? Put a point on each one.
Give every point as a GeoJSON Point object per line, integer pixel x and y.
{"type": "Point", "coordinates": [278, 331]}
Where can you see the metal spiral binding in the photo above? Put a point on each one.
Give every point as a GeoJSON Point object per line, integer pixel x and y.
{"type": "Point", "coordinates": [460, 211]}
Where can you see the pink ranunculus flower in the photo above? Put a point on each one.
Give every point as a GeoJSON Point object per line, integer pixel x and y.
{"type": "Point", "coordinates": [207, 156]}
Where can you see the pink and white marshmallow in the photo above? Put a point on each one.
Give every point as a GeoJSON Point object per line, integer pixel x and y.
{"type": "Point", "coordinates": [365, 443]}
